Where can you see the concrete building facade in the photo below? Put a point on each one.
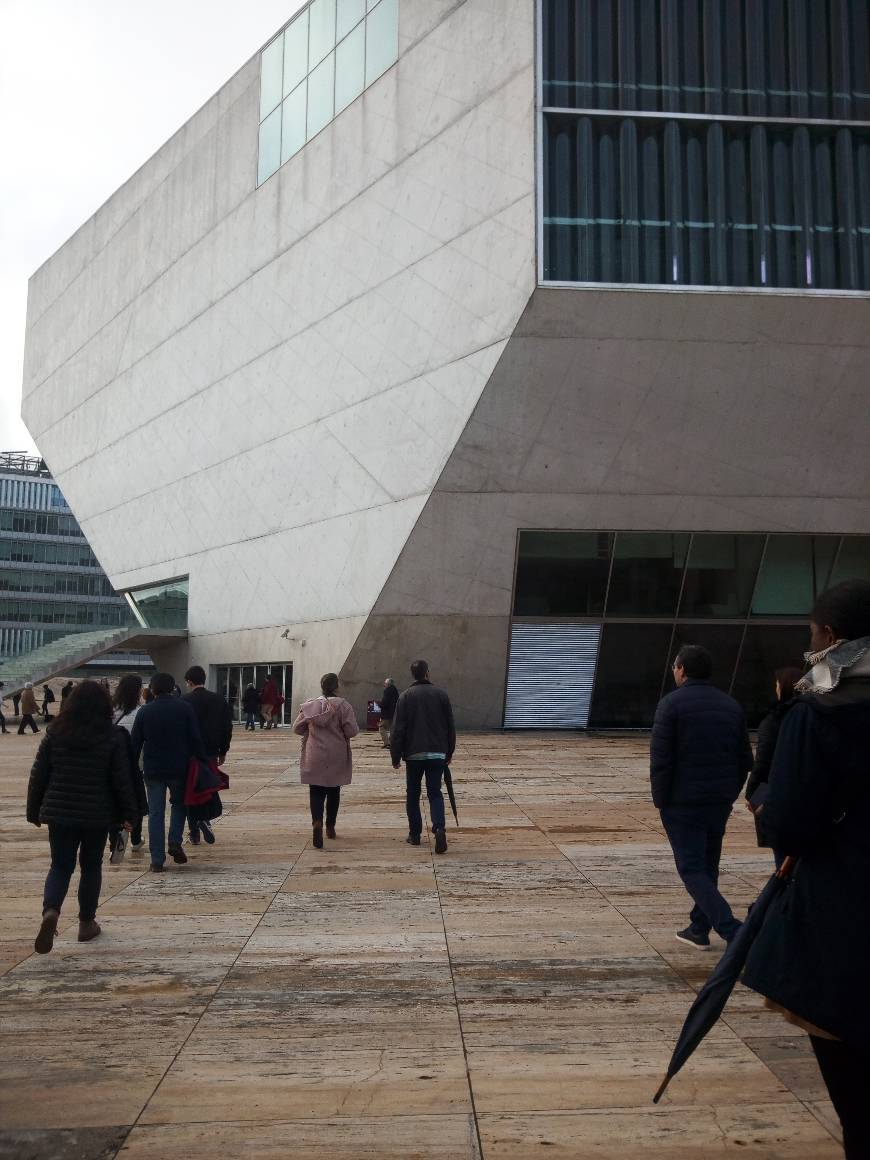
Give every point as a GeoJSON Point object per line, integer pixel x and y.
{"type": "Point", "coordinates": [404, 374]}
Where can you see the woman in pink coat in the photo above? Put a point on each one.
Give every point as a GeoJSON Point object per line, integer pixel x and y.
{"type": "Point", "coordinates": [326, 725]}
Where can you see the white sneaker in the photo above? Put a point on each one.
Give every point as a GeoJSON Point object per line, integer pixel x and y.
{"type": "Point", "coordinates": [119, 848]}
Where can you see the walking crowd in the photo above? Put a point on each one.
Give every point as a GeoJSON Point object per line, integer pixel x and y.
{"type": "Point", "coordinates": [105, 763]}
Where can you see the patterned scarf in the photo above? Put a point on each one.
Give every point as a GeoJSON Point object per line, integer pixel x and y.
{"type": "Point", "coordinates": [844, 658]}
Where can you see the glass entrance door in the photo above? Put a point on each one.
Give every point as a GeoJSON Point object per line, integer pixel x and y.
{"type": "Point", "coordinates": [232, 680]}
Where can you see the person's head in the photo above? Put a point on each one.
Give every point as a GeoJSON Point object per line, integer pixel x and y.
{"type": "Point", "coordinates": [163, 684]}
{"type": "Point", "coordinates": [87, 712]}
{"type": "Point", "coordinates": [692, 663]}
{"type": "Point", "coordinates": [840, 613]}
{"type": "Point", "coordinates": [387, 682]}
{"type": "Point", "coordinates": [420, 671]}
{"type": "Point", "coordinates": [28, 684]}
{"type": "Point", "coordinates": [147, 695]}
{"type": "Point", "coordinates": [195, 676]}
{"type": "Point", "coordinates": [45, 688]}
{"type": "Point", "coordinates": [127, 693]}
{"type": "Point", "coordinates": [786, 679]}
{"type": "Point", "coordinates": [329, 684]}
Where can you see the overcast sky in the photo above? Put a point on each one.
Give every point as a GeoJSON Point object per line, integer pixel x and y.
{"type": "Point", "coordinates": [89, 89]}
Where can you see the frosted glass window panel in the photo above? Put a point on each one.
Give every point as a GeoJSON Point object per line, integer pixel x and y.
{"type": "Point", "coordinates": [350, 68]}
{"type": "Point", "coordinates": [321, 95]}
{"type": "Point", "coordinates": [271, 64]}
{"type": "Point", "coordinates": [270, 146]}
{"type": "Point", "coordinates": [295, 52]}
{"type": "Point", "coordinates": [382, 39]}
{"type": "Point", "coordinates": [348, 14]}
{"type": "Point", "coordinates": [321, 38]}
{"type": "Point", "coordinates": [293, 114]}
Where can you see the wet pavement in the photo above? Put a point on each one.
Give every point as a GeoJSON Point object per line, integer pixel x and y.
{"type": "Point", "coordinates": [515, 998]}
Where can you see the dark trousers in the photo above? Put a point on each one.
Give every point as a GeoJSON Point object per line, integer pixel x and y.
{"type": "Point", "coordinates": [66, 842]}
{"type": "Point", "coordinates": [846, 1072]}
{"type": "Point", "coordinates": [695, 834]}
{"type": "Point", "coordinates": [3, 728]}
{"type": "Point", "coordinates": [27, 719]}
{"type": "Point", "coordinates": [415, 771]}
{"type": "Point", "coordinates": [330, 795]}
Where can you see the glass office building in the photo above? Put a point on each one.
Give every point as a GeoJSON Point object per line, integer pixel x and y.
{"type": "Point", "coordinates": [50, 582]}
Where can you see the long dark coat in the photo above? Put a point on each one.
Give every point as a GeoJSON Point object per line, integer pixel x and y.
{"type": "Point", "coordinates": [812, 954]}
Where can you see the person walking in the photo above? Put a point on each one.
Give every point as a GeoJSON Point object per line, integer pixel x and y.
{"type": "Point", "coordinates": [424, 734]}
{"type": "Point", "coordinates": [389, 697]}
{"type": "Point", "coordinates": [79, 787]}
{"type": "Point", "coordinates": [65, 691]}
{"type": "Point", "coordinates": [768, 731]}
{"type": "Point", "coordinates": [166, 736]}
{"type": "Point", "coordinates": [16, 701]}
{"type": "Point", "coordinates": [269, 701]}
{"type": "Point", "coordinates": [125, 704]}
{"type": "Point", "coordinates": [215, 720]}
{"type": "Point", "coordinates": [326, 724]}
{"type": "Point", "coordinates": [29, 708]}
{"type": "Point", "coordinates": [699, 758]}
{"type": "Point", "coordinates": [251, 707]}
{"type": "Point", "coordinates": [810, 958]}
{"type": "Point", "coordinates": [47, 700]}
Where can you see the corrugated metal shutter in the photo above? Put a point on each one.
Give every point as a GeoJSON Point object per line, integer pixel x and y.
{"type": "Point", "coordinates": [550, 675]}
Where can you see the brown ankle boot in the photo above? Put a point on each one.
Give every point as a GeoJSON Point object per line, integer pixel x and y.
{"type": "Point", "coordinates": [88, 930]}
{"type": "Point", "coordinates": [317, 835]}
{"type": "Point", "coordinates": [47, 930]}
{"type": "Point", "coordinates": [330, 830]}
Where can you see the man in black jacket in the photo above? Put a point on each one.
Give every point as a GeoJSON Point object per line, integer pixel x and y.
{"type": "Point", "coordinates": [424, 735]}
{"type": "Point", "coordinates": [215, 719]}
{"type": "Point", "coordinates": [699, 758]}
{"type": "Point", "coordinates": [167, 731]}
{"type": "Point", "coordinates": [389, 699]}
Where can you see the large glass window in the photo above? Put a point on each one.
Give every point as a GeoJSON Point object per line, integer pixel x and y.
{"type": "Point", "coordinates": [766, 649]}
{"type": "Point", "coordinates": [161, 605]}
{"type": "Point", "coordinates": [562, 573]}
{"type": "Point", "coordinates": [654, 172]}
{"type": "Point", "coordinates": [628, 680]}
{"type": "Point", "coordinates": [720, 577]}
{"type": "Point", "coordinates": [647, 573]}
{"type": "Point", "coordinates": [232, 680]}
{"type": "Point", "coordinates": [795, 570]}
{"type": "Point", "coordinates": [328, 54]}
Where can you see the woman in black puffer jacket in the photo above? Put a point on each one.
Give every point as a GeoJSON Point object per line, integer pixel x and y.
{"type": "Point", "coordinates": [80, 787]}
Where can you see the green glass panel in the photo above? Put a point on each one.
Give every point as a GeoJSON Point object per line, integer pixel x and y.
{"type": "Point", "coordinates": [722, 641]}
{"type": "Point", "coordinates": [382, 39]}
{"type": "Point", "coordinates": [766, 648]}
{"type": "Point", "coordinates": [562, 573]}
{"type": "Point", "coordinates": [295, 52]}
{"type": "Point", "coordinates": [321, 38]}
{"type": "Point", "coordinates": [794, 571]}
{"type": "Point", "coordinates": [628, 679]}
{"type": "Point", "coordinates": [293, 118]}
{"type": "Point", "coordinates": [647, 573]}
{"type": "Point", "coordinates": [720, 576]}
{"type": "Point", "coordinates": [269, 157]}
{"type": "Point", "coordinates": [321, 96]}
{"type": "Point", "coordinates": [350, 68]}
{"type": "Point", "coordinates": [348, 14]}
{"type": "Point", "coordinates": [853, 561]}
{"type": "Point", "coordinates": [271, 64]}
{"type": "Point", "coordinates": [163, 605]}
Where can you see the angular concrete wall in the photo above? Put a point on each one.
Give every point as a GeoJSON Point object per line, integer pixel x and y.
{"type": "Point", "coordinates": [660, 410]}
{"type": "Point", "coordinates": [260, 387]}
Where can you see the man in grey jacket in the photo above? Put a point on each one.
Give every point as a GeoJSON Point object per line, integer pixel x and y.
{"type": "Point", "coordinates": [424, 735]}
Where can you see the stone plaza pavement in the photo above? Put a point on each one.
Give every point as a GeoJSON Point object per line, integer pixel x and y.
{"type": "Point", "coordinates": [517, 998]}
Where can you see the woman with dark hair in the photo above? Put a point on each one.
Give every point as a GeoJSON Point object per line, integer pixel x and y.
{"type": "Point", "coordinates": [810, 960]}
{"type": "Point", "coordinates": [126, 704]}
{"type": "Point", "coordinates": [79, 787]}
{"type": "Point", "coordinates": [326, 725]}
{"type": "Point", "coordinates": [768, 731]}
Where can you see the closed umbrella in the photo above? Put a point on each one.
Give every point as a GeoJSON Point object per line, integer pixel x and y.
{"type": "Point", "coordinates": [448, 785]}
{"type": "Point", "coordinates": [713, 996]}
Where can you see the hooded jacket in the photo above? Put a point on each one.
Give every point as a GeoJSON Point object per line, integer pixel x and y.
{"type": "Point", "coordinates": [326, 725]}
{"type": "Point", "coordinates": [812, 952]}
{"type": "Point", "coordinates": [83, 783]}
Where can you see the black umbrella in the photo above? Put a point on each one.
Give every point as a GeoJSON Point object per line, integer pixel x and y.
{"type": "Point", "coordinates": [448, 785]}
{"type": "Point", "coordinates": [713, 996]}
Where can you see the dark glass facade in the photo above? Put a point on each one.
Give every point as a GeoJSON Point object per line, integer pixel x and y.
{"type": "Point", "coordinates": [744, 596]}
{"type": "Point", "coordinates": [719, 142]}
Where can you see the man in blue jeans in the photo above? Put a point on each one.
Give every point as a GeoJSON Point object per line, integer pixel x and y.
{"type": "Point", "coordinates": [699, 759]}
{"type": "Point", "coordinates": [423, 733]}
{"type": "Point", "coordinates": [165, 732]}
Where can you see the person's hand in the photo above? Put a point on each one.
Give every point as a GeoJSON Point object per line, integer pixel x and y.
{"type": "Point", "coordinates": [221, 758]}
{"type": "Point", "coordinates": [128, 826]}
{"type": "Point", "coordinates": [38, 824]}
{"type": "Point", "coordinates": [397, 765]}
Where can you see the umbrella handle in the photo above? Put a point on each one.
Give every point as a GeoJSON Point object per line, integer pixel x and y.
{"type": "Point", "coordinates": [661, 1090]}
{"type": "Point", "coordinates": [787, 866]}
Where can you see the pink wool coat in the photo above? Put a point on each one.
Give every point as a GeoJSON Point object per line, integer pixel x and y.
{"type": "Point", "coordinates": [326, 725]}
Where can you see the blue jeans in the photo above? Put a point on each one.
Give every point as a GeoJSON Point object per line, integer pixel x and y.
{"type": "Point", "coordinates": [695, 834]}
{"type": "Point", "coordinates": [415, 771]}
{"type": "Point", "coordinates": [249, 718]}
{"type": "Point", "coordinates": [157, 817]}
{"type": "Point", "coordinates": [66, 842]}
